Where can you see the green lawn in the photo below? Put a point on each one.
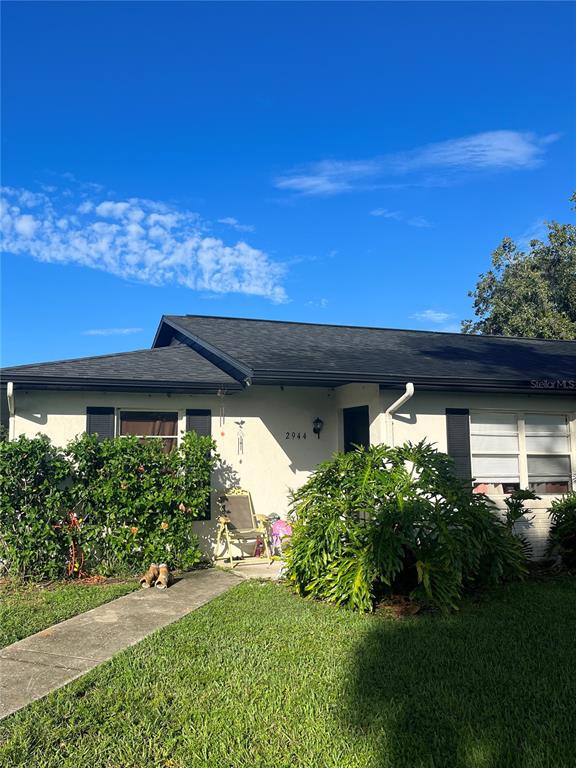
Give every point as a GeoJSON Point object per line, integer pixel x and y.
{"type": "Point", "coordinates": [262, 678]}
{"type": "Point", "coordinates": [26, 609]}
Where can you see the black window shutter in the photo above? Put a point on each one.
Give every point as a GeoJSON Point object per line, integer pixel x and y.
{"type": "Point", "coordinates": [458, 438]}
{"type": "Point", "coordinates": [100, 421]}
{"type": "Point", "coordinates": [200, 421]}
{"type": "Point", "coordinates": [4, 412]}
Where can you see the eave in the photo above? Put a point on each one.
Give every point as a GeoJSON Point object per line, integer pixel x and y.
{"type": "Point", "coordinates": [397, 381]}
{"type": "Point", "coordinates": [124, 385]}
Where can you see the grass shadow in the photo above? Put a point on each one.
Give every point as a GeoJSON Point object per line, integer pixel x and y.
{"type": "Point", "coordinates": [492, 686]}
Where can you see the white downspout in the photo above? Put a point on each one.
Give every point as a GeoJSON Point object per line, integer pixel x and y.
{"type": "Point", "coordinates": [391, 410]}
{"type": "Point", "coordinates": [11, 409]}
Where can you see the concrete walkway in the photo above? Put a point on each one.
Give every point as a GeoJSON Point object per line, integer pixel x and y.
{"type": "Point", "coordinates": [31, 668]}
{"type": "Point", "coordinates": [264, 571]}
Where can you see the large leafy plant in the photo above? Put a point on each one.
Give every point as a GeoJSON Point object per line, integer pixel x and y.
{"type": "Point", "coordinates": [384, 520]}
{"type": "Point", "coordinates": [563, 529]}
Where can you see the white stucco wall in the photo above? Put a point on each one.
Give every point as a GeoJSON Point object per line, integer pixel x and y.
{"type": "Point", "coordinates": [353, 395]}
{"type": "Point", "coordinates": [271, 465]}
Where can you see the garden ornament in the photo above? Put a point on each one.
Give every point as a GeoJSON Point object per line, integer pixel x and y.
{"type": "Point", "coordinates": [149, 578]}
{"type": "Point", "coordinates": [280, 530]}
{"type": "Point", "coordinates": [164, 577]}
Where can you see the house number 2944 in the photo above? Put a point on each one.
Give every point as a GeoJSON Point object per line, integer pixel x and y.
{"type": "Point", "coordinates": [295, 435]}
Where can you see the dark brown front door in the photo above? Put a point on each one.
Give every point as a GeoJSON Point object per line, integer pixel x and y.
{"type": "Point", "coordinates": [356, 427]}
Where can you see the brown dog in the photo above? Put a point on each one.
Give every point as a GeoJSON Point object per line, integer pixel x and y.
{"type": "Point", "coordinates": [164, 577]}
{"type": "Point", "coordinates": [150, 577]}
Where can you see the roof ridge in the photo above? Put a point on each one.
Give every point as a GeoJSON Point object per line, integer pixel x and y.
{"type": "Point", "coordinates": [373, 328]}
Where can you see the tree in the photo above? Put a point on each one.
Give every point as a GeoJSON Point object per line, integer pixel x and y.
{"type": "Point", "coordinates": [529, 293]}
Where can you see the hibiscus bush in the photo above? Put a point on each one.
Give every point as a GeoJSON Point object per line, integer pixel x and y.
{"type": "Point", "coordinates": [110, 506]}
{"type": "Point", "coordinates": [34, 492]}
{"type": "Point", "coordinates": [383, 520]}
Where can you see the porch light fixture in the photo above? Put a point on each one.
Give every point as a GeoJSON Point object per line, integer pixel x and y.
{"type": "Point", "coordinates": [317, 425]}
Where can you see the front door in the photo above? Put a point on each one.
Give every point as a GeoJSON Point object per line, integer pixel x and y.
{"type": "Point", "coordinates": [356, 427]}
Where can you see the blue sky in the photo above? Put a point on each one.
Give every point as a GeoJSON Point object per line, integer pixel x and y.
{"type": "Point", "coordinates": [341, 163]}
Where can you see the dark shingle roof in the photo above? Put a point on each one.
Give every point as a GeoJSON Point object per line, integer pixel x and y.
{"type": "Point", "coordinates": [194, 352]}
{"type": "Point", "coordinates": [266, 345]}
{"type": "Point", "coordinates": [177, 363]}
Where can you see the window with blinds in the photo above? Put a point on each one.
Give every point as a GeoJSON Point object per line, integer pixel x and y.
{"type": "Point", "coordinates": [548, 453]}
{"type": "Point", "coordinates": [510, 451]}
{"type": "Point", "coordinates": [495, 450]}
{"type": "Point", "coordinates": [151, 425]}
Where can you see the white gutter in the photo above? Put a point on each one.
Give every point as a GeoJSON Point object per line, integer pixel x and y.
{"type": "Point", "coordinates": [11, 406]}
{"type": "Point", "coordinates": [391, 410]}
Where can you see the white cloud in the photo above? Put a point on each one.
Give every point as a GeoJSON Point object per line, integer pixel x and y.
{"type": "Point", "coordinates": [494, 149]}
{"type": "Point", "coordinates": [538, 230]}
{"type": "Point", "coordinates": [135, 239]}
{"type": "Point", "coordinates": [412, 221]}
{"type": "Point", "coordinates": [491, 151]}
{"type": "Point", "coordinates": [313, 184]}
{"type": "Point", "coordinates": [386, 214]}
{"type": "Point", "coordinates": [111, 331]}
{"type": "Point", "coordinates": [318, 303]}
{"type": "Point", "coordinates": [25, 226]}
{"type": "Point", "coordinates": [112, 210]}
{"type": "Point", "coordinates": [418, 221]}
{"type": "Point", "coordinates": [328, 177]}
{"type": "Point", "coordinates": [230, 221]}
{"type": "Point", "coordinates": [433, 316]}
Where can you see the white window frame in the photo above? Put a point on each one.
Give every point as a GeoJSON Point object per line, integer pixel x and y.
{"type": "Point", "coordinates": [180, 424]}
{"type": "Point", "coordinates": [522, 452]}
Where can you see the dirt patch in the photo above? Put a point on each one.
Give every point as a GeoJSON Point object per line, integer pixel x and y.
{"type": "Point", "coordinates": [398, 607]}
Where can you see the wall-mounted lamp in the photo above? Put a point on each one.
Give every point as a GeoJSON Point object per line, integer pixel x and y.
{"type": "Point", "coordinates": [317, 425]}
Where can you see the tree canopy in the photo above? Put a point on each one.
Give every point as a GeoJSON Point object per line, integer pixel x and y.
{"type": "Point", "coordinates": [532, 292]}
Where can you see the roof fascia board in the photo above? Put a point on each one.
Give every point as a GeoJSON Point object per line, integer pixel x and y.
{"type": "Point", "coordinates": [126, 385]}
{"type": "Point", "coordinates": [496, 387]}
{"type": "Point", "coordinates": [340, 378]}
{"type": "Point", "coordinates": [235, 368]}
{"type": "Point", "coordinates": [114, 385]}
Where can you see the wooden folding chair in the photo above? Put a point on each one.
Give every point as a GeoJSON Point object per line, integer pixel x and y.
{"type": "Point", "coordinates": [238, 524]}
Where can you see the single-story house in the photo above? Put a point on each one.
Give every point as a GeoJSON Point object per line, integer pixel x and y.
{"type": "Point", "coordinates": [280, 397]}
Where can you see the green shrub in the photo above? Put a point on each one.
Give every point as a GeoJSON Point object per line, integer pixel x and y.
{"type": "Point", "coordinates": [385, 520]}
{"type": "Point", "coordinates": [515, 511]}
{"type": "Point", "coordinates": [137, 503]}
{"type": "Point", "coordinates": [563, 529]}
{"type": "Point", "coordinates": [130, 502]}
{"type": "Point", "coordinates": [34, 497]}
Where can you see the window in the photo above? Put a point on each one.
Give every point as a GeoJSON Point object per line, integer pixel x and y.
{"type": "Point", "coordinates": [510, 451]}
{"type": "Point", "coordinates": [548, 451]}
{"type": "Point", "coordinates": [151, 425]}
{"type": "Point", "coordinates": [495, 452]}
